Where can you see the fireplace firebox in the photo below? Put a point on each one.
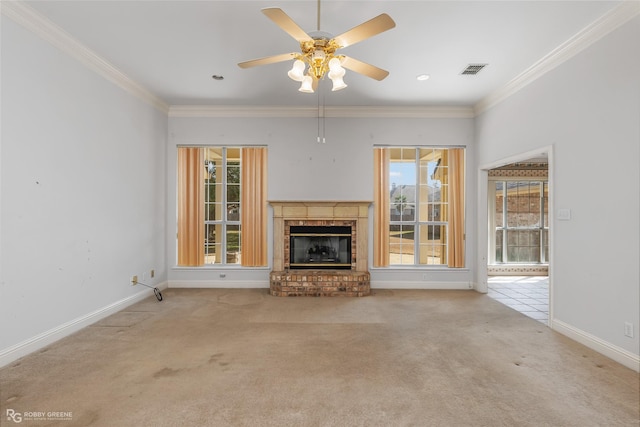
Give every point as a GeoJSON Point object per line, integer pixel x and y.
{"type": "Point", "coordinates": [320, 247]}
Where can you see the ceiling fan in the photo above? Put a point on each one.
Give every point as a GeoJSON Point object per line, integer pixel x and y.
{"type": "Point", "coordinates": [318, 51]}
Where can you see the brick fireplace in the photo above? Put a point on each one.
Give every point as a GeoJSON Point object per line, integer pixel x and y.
{"type": "Point", "coordinates": [352, 278]}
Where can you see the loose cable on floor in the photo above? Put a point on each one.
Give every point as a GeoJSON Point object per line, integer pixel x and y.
{"type": "Point", "coordinates": [155, 290]}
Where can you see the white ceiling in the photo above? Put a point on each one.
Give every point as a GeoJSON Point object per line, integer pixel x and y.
{"type": "Point", "coordinates": [172, 48]}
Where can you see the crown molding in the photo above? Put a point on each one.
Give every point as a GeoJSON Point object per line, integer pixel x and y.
{"type": "Point", "coordinates": [314, 112]}
{"type": "Point", "coordinates": [610, 21]}
{"type": "Point", "coordinates": [28, 18]}
{"type": "Point", "coordinates": [230, 111]}
{"type": "Point", "coordinates": [424, 112]}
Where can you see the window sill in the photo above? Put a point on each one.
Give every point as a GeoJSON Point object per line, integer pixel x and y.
{"type": "Point", "coordinates": [420, 268]}
{"type": "Point", "coordinates": [217, 267]}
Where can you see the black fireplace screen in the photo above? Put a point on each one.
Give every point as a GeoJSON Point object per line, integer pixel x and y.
{"type": "Point", "coordinates": [320, 247]}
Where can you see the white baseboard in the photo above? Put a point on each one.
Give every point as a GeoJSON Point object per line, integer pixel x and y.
{"type": "Point", "coordinates": [219, 284]}
{"type": "Point", "coordinates": [37, 342]}
{"type": "Point", "coordinates": [620, 355]}
{"type": "Point", "coordinates": [383, 284]}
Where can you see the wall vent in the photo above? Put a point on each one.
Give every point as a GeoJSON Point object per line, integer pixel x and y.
{"type": "Point", "coordinates": [473, 69]}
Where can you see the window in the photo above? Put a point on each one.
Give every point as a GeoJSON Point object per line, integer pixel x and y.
{"type": "Point", "coordinates": [222, 206]}
{"type": "Point", "coordinates": [422, 207]}
{"type": "Point", "coordinates": [521, 222]}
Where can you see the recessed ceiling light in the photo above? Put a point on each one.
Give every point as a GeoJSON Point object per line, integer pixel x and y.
{"type": "Point", "coordinates": [217, 77]}
{"type": "Point", "coordinates": [422, 77]}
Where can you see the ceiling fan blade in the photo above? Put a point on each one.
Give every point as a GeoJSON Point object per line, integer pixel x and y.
{"type": "Point", "coordinates": [377, 25]}
{"type": "Point", "coordinates": [267, 60]}
{"type": "Point", "coordinates": [364, 68]}
{"type": "Point", "coordinates": [283, 21]}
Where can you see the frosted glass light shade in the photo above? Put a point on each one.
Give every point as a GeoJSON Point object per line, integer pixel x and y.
{"type": "Point", "coordinates": [297, 71]}
{"type": "Point", "coordinates": [338, 83]}
{"type": "Point", "coordinates": [334, 64]}
{"type": "Point", "coordinates": [307, 85]}
{"type": "Point", "coordinates": [336, 74]}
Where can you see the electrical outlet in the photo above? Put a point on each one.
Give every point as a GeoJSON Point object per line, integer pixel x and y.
{"type": "Point", "coordinates": [144, 276]}
{"type": "Point", "coordinates": [564, 214]}
{"type": "Point", "coordinates": [152, 273]}
{"type": "Point", "coordinates": [628, 329]}
{"type": "Point", "coordinates": [134, 280]}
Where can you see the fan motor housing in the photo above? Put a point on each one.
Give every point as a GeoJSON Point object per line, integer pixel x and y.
{"type": "Point", "coordinates": [321, 41]}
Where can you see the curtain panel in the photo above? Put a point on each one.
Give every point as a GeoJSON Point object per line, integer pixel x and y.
{"type": "Point", "coordinates": [190, 206]}
{"type": "Point", "coordinates": [381, 207]}
{"type": "Point", "coordinates": [455, 252]}
{"type": "Point", "coordinates": [253, 218]}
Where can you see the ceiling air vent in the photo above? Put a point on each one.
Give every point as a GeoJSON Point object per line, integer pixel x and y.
{"type": "Point", "coordinates": [473, 69]}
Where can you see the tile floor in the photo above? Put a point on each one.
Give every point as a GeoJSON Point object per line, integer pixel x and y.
{"type": "Point", "coordinates": [527, 294]}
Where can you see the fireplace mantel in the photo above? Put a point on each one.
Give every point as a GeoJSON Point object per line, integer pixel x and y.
{"type": "Point", "coordinates": [332, 212]}
{"type": "Point", "coordinates": [357, 211]}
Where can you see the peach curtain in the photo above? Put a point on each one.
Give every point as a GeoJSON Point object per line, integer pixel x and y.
{"type": "Point", "coordinates": [455, 255]}
{"type": "Point", "coordinates": [253, 220]}
{"type": "Point", "coordinates": [190, 206]}
{"type": "Point", "coordinates": [381, 207]}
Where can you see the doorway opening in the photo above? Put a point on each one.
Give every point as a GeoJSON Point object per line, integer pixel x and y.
{"type": "Point", "coordinates": [518, 239]}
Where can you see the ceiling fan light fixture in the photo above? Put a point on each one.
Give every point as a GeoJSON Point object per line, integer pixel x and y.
{"type": "Point", "coordinates": [307, 85]}
{"type": "Point", "coordinates": [318, 48]}
{"type": "Point", "coordinates": [297, 71]}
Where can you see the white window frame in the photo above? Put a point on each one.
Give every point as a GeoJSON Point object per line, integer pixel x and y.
{"type": "Point", "coordinates": [416, 222]}
{"type": "Point", "coordinates": [225, 221]}
{"type": "Point", "coordinates": [542, 228]}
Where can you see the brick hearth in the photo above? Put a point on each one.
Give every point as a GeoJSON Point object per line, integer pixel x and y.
{"type": "Point", "coordinates": [320, 283]}
{"type": "Point", "coordinates": [285, 281]}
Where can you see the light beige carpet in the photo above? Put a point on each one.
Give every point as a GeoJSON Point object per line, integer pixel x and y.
{"type": "Point", "coordinates": [217, 357]}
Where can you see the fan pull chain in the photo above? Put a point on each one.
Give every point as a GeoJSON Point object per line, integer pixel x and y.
{"type": "Point", "coordinates": [324, 120]}
{"type": "Point", "coordinates": [321, 117]}
{"type": "Point", "coordinates": [318, 118]}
